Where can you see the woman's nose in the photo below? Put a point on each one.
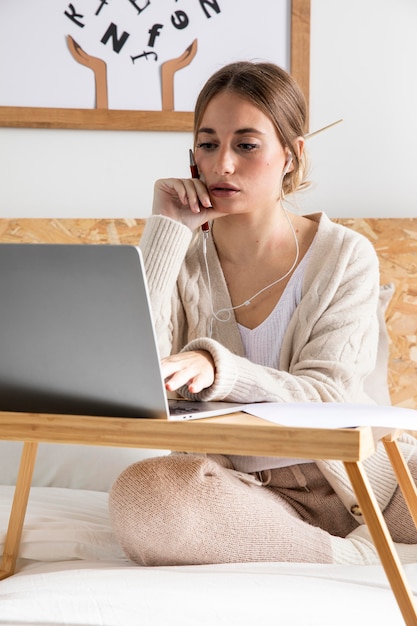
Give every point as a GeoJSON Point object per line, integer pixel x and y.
{"type": "Point", "coordinates": [224, 163]}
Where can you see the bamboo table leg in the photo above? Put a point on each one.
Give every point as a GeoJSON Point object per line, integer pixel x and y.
{"type": "Point", "coordinates": [383, 542]}
{"type": "Point", "coordinates": [405, 480]}
{"type": "Point", "coordinates": [17, 514]}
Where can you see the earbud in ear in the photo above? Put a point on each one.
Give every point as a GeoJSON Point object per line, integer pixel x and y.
{"type": "Point", "coordinates": [287, 165]}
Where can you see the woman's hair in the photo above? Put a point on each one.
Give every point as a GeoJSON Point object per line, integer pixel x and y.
{"type": "Point", "coordinates": [272, 90]}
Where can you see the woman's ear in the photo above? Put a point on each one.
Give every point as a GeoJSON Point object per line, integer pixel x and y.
{"type": "Point", "coordinates": [298, 149]}
{"type": "Point", "coordinates": [298, 146]}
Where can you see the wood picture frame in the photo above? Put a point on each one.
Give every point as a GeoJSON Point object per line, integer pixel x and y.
{"type": "Point", "coordinates": [182, 121]}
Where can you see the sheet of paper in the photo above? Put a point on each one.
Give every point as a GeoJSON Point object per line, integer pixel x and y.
{"type": "Point", "coordinates": [334, 415]}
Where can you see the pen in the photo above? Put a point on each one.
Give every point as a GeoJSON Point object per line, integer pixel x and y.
{"type": "Point", "coordinates": [194, 174]}
{"type": "Point", "coordinates": [320, 130]}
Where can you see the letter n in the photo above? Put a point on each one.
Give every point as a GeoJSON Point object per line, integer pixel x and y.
{"type": "Point", "coordinates": [118, 42]}
{"type": "Point", "coordinates": [212, 3]}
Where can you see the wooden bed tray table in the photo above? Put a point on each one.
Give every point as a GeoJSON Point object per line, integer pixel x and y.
{"type": "Point", "coordinates": [238, 433]}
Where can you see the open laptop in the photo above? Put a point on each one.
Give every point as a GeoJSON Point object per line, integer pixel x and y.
{"type": "Point", "coordinates": [77, 337]}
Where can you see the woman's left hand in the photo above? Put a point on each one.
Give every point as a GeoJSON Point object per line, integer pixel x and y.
{"type": "Point", "coordinates": [194, 369]}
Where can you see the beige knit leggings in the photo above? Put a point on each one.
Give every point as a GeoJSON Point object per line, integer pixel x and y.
{"type": "Point", "coordinates": [191, 509]}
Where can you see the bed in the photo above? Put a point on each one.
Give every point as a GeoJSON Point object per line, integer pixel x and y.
{"type": "Point", "coordinates": [70, 569]}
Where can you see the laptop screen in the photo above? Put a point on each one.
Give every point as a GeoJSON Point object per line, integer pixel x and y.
{"type": "Point", "coordinates": [76, 333]}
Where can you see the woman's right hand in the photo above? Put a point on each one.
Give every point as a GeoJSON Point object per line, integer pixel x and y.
{"type": "Point", "coordinates": [185, 200]}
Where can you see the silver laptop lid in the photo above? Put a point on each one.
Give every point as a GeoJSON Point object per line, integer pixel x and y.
{"type": "Point", "coordinates": [76, 334]}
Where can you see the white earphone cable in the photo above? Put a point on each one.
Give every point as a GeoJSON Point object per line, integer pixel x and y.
{"type": "Point", "coordinates": [218, 315]}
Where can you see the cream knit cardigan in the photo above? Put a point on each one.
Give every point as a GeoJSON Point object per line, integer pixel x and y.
{"type": "Point", "coordinates": [330, 345]}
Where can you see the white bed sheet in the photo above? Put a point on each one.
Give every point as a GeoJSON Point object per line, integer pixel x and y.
{"type": "Point", "coordinates": [85, 580]}
{"type": "Point", "coordinates": [108, 594]}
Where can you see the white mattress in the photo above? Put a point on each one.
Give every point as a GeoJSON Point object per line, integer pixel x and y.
{"type": "Point", "coordinates": [72, 572]}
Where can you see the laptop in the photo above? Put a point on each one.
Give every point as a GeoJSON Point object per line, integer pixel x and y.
{"type": "Point", "coordinates": [77, 336]}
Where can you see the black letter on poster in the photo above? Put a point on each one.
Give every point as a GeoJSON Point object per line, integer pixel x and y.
{"type": "Point", "coordinates": [117, 43]}
{"type": "Point", "coordinates": [154, 32]}
{"type": "Point", "coordinates": [212, 3]}
{"type": "Point", "coordinates": [145, 54]}
{"type": "Point", "coordinates": [180, 20]}
{"type": "Point", "coordinates": [73, 16]}
{"type": "Point", "coordinates": [139, 8]}
{"type": "Point", "coordinates": [102, 3]}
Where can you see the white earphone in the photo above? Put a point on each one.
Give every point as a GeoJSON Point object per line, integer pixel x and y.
{"type": "Point", "coordinates": [287, 165]}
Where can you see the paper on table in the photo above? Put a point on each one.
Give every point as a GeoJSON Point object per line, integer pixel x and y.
{"type": "Point", "coordinates": [334, 415]}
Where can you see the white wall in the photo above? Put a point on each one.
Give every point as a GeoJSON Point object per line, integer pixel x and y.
{"type": "Point", "coordinates": [363, 68]}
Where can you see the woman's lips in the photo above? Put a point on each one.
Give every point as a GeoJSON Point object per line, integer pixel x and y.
{"type": "Point", "coordinates": [223, 190]}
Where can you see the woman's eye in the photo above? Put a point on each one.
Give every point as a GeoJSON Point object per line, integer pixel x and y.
{"type": "Point", "coordinates": [248, 147]}
{"type": "Point", "coordinates": [206, 145]}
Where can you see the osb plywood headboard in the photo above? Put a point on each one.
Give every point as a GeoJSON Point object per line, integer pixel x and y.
{"type": "Point", "coordinates": [395, 240]}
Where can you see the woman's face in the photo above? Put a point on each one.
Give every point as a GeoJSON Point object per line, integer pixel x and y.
{"type": "Point", "coordinates": [239, 155]}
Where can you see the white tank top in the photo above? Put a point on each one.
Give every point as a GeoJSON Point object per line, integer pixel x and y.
{"type": "Point", "coordinates": [263, 343]}
{"type": "Point", "coordinates": [263, 346]}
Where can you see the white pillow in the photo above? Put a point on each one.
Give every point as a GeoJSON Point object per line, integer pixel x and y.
{"type": "Point", "coordinates": [71, 466]}
{"type": "Point", "coordinates": [63, 524]}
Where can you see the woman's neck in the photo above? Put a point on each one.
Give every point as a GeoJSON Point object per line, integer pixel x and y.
{"type": "Point", "coordinates": [244, 240]}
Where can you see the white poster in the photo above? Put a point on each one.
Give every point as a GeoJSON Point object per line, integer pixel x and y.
{"type": "Point", "coordinates": [141, 55]}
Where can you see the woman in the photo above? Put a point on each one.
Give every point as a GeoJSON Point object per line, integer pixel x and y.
{"type": "Point", "coordinates": [266, 306]}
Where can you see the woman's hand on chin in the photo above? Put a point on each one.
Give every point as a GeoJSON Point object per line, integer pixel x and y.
{"type": "Point", "coordinates": [185, 200]}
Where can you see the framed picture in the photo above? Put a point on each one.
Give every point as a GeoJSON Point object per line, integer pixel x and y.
{"type": "Point", "coordinates": [135, 64]}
